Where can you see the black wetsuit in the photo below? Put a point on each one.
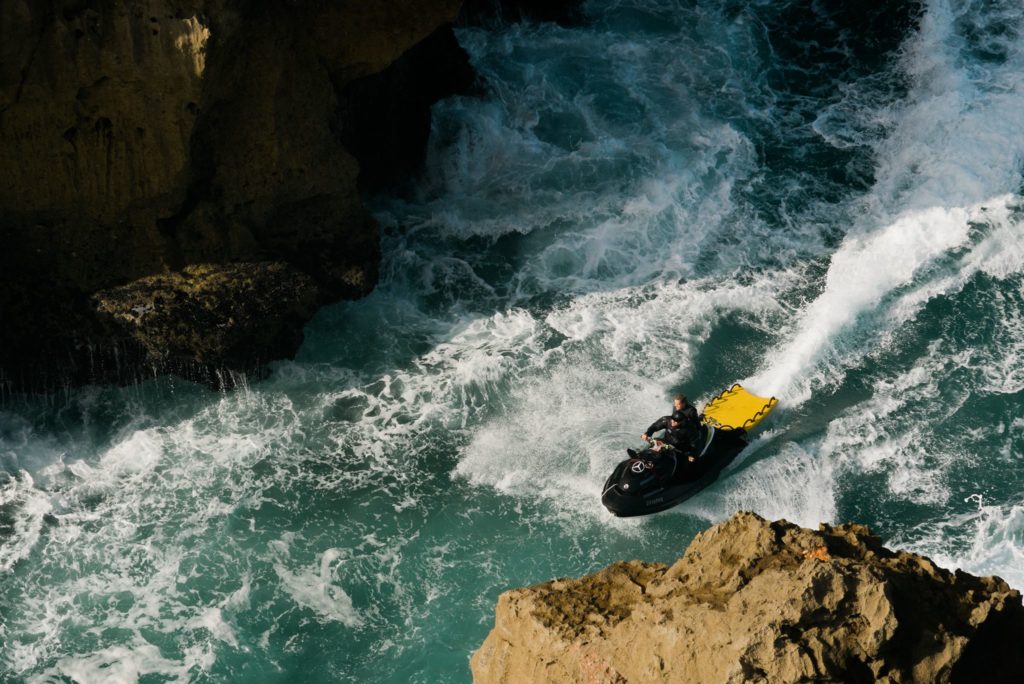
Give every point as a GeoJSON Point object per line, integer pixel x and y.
{"type": "Point", "coordinates": [691, 421]}
{"type": "Point", "coordinates": [683, 437]}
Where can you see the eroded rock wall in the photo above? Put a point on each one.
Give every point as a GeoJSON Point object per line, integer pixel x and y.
{"type": "Point", "coordinates": [759, 601]}
{"type": "Point", "coordinates": [138, 138]}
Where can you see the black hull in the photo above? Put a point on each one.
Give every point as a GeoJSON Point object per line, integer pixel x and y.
{"type": "Point", "coordinates": [724, 447]}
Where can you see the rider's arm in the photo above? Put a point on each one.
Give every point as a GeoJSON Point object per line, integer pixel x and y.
{"type": "Point", "coordinates": [659, 424]}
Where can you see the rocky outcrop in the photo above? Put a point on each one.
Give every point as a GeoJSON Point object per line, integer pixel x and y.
{"type": "Point", "coordinates": [139, 138]}
{"type": "Point", "coordinates": [203, 319]}
{"type": "Point", "coordinates": [758, 601]}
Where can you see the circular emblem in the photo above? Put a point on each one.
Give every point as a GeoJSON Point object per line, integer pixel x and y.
{"type": "Point", "coordinates": [638, 466]}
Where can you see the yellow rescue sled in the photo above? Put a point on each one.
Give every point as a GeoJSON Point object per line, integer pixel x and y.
{"type": "Point", "coordinates": [737, 409]}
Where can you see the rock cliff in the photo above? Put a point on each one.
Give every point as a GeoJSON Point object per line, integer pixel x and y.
{"type": "Point", "coordinates": [140, 138]}
{"type": "Point", "coordinates": [759, 601]}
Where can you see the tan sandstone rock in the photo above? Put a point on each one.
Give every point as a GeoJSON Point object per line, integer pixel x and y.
{"type": "Point", "coordinates": [759, 601]}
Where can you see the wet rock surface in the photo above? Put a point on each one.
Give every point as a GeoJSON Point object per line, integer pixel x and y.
{"type": "Point", "coordinates": [208, 317]}
{"type": "Point", "coordinates": [759, 601]}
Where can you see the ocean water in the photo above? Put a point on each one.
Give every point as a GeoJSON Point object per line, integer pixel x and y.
{"type": "Point", "coordinates": [823, 204]}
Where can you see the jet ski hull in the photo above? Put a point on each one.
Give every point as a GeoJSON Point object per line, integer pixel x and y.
{"type": "Point", "coordinates": [645, 484]}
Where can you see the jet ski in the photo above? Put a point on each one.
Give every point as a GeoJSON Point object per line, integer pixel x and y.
{"type": "Point", "coordinates": [661, 476]}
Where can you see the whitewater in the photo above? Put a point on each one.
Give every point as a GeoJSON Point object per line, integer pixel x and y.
{"type": "Point", "coordinates": [674, 196]}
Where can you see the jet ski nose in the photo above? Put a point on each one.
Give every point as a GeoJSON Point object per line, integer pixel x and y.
{"type": "Point", "coordinates": [631, 452]}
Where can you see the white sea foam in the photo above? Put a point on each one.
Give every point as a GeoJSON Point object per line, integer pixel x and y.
{"type": "Point", "coordinates": [25, 506]}
{"type": "Point", "coordinates": [556, 442]}
{"type": "Point", "coordinates": [631, 193]}
{"type": "Point", "coordinates": [133, 457]}
{"type": "Point", "coordinates": [119, 665]}
{"type": "Point", "coordinates": [316, 588]}
{"type": "Point", "coordinates": [655, 331]}
{"type": "Point", "coordinates": [988, 540]}
{"type": "Point", "coordinates": [130, 525]}
{"type": "Point", "coordinates": [862, 271]}
{"type": "Point", "coordinates": [794, 484]}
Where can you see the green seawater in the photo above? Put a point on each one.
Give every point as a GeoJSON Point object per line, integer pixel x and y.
{"type": "Point", "coordinates": [673, 197]}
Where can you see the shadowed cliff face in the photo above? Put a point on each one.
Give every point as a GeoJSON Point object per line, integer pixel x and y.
{"type": "Point", "coordinates": [754, 601]}
{"type": "Point", "coordinates": [138, 138]}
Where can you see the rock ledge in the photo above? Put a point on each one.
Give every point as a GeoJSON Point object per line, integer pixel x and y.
{"type": "Point", "coordinates": [759, 601]}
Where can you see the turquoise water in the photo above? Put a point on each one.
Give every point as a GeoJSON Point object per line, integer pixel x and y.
{"type": "Point", "coordinates": [677, 196]}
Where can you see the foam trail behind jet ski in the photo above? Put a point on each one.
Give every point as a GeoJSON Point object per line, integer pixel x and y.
{"type": "Point", "coordinates": [948, 161]}
{"type": "Point", "coordinates": [864, 270]}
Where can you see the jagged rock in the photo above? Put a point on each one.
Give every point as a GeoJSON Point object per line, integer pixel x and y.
{"type": "Point", "coordinates": [140, 137]}
{"type": "Point", "coordinates": [210, 316]}
{"type": "Point", "coordinates": [759, 601]}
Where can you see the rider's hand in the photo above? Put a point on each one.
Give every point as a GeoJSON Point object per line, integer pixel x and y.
{"type": "Point", "coordinates": [691, 459]}
{"type": "Point", "coordinates": [645, 438]}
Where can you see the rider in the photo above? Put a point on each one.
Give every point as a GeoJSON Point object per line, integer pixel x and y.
{"type": "Point", "coordinates": [681, 428]}
{"type": "Point", "coordinates": [691, 421]}
{"type": "Point", "coordinates": [683, 412]}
